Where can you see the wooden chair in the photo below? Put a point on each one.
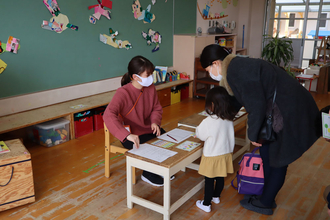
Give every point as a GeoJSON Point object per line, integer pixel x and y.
{"type": "Point", "coordinates": [112, 146]}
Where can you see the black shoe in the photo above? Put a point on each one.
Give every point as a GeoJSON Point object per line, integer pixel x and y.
{"type": "Point", "coordinates": [249, 205]}
{"type": "Point", "coordinates": [246, 196]}
{"type": "Point", "coordinates": [152, 178]}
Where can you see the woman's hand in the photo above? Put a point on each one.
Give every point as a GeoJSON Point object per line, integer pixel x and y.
{"type": "Point", "coordinates": [155, 129]}
{"type": "Point", "coordinates": [256, 144]}
{"type": "Point", "coordinates": [135, 139]}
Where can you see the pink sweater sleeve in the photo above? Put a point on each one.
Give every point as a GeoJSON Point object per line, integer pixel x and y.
{"type": "Point", "coordinates": [157, 110]}
{"type": "Point", "coordinates": [111, 117]}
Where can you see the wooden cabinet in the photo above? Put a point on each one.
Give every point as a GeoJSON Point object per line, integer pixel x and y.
{"type": "Point", "coordinates": [189, 47]}
{"type": "Point", "coordinates": [164, 97]}
{"type": "Point", "coordinates": [203, 82]}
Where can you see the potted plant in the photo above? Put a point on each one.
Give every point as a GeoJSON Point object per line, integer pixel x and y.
{"type": "Point", "coordinates": [278, 51]}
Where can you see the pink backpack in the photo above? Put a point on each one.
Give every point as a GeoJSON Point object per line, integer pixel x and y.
{"type": "Point", "coordinates": [250, 177]}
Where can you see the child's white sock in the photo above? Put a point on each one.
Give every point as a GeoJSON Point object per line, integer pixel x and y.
{"type": "Point", "coordinates": [205, 208]}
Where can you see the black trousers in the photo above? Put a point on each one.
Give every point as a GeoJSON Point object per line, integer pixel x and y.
{"type": "Point", "coordinates": [211, 191]}
{"type": "Point", "coordinates": [274, 178]}
{"type": "Point", "coordinates": [143, 138]}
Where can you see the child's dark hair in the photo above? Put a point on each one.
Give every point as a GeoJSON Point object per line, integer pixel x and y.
{"type": "Point", "coordinates": [212, 53]}
{"type": "Point", "coordinates": [217, 102]}
{"type": "Point", "coordinates": [137, 65]}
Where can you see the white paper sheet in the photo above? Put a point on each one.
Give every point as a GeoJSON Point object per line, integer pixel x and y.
{"type": "Point", "coordinates": [326, 125]}
{"type": "Point", "coordinates": [153, 153]}
{"type": "Point", "coordinates": [176, 135]}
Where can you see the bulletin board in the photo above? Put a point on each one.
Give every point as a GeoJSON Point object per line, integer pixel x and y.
{"type": "Point", "coordinates": [48, 60]}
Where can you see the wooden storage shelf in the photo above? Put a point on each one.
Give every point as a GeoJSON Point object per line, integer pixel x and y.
{"type": "Point", "coordinates": [190, 48]}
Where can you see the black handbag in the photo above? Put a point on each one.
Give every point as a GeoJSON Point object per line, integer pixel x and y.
{"type": "Point", "coordinates": [266, 133]}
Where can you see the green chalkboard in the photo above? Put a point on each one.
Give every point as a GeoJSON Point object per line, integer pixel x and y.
{"type": "Point", "coordinates": [185, 16]}
{"type": "Point", "coordinates": [48, 60]}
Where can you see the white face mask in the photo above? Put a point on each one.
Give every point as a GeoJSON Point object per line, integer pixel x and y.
{"type": "Point", "coordinates": [145, 81]}
{"type": "Point", "coordinates": [218, 77]}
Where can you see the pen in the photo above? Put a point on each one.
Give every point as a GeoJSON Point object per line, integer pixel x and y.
{"type": "Point", "coordinates": [172, 137]}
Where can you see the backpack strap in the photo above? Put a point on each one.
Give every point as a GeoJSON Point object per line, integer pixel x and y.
{"type": "Point", "coordinates": [232, 182]}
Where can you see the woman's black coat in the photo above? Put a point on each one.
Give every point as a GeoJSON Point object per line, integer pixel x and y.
{"type": "Point", "coordinates": [252, 82]}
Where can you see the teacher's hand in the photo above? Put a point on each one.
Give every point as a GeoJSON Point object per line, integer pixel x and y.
{"type": "Point", "coordinates": [256, 144]}
{"type": "Point", "coordinates": [135, 139]}
{"type": "Point", "coordinates": [155, 129]}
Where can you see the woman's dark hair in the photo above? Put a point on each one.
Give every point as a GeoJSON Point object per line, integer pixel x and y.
{"type": "Point", "coordinates": [212, 53]}
{"type": "Point", "coordinates": [217, 102]}
{"type": "Point", "coordinates": [137, 65]}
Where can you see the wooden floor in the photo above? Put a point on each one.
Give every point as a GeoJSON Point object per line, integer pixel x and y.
{"type": "Point", "coordinates": [70, 184]}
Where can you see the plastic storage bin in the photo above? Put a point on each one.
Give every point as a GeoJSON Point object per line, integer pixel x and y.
{"type": "Point", "coordinates": [52, 133]}
{"type": "Point", "coordinates": [83, 123]}
{"type": "Point", "coordinates": [184, 91]}
{"type": "Point", "coordinates": [175, 95]}
{"type": "Point", "coordinates": [98, 118]}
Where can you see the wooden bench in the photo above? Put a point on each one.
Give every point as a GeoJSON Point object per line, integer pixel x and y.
{"type": "Point", "coordinates": [25, 119]}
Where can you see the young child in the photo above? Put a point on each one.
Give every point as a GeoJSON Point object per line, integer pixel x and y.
{"type": "Point", "coordinates": [134, 114]}
{"type": "Point", "coordinates": [217, 132]}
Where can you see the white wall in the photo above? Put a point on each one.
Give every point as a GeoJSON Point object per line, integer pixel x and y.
{"type": "Point", "coordinates": [217, 7]}
{"type": "Point", "coordinates": [249, 13]}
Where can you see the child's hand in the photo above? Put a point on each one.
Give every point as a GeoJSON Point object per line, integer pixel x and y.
{"type": "Point", "coordinates": [135, 139]}
{"type": "Point", "coordinates": [155, 129]}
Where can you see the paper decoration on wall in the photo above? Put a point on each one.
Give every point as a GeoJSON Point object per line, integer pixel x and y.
{"type": "Point", "coordinates": [92, 20]}
{"type": "Point", "coordinates": [52, 7]}
{"type": "Point", "coordinates": [12, 44]}
{"type": "Point", "coordinates": [59, 22]}
{"type": "Point", "coordinates": [112, 41]}
{"type": "Point", "coordinates": [99, 9]}
{"type": "Point", "coordinates": [152, 37]}
{"type": "Point", "coordinates": [2, 49]}
{"type": "Point", "coordinates": [3, 66]}
{"type": "Point", "coordinates": [141, 14]}
{"type": "Point", "coordinates": [208, 15]}
{"type": "Point", "coordinates": [153, 2]}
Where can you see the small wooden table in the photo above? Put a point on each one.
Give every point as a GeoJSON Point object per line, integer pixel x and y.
{"type": "Point", "coordinates": [194, 120]}
{"type": "Point", "coordinates": [166, 169]}
{"type": "Point", "coordinates": [303, 77]}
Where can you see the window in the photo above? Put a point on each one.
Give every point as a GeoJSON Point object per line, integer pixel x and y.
{"type": "Point", "coordinates": [322, 22]}
{"type": "Point", "coordinates": [291, 20]}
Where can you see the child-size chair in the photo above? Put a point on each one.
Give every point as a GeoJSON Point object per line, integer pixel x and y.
{"type": "Point", "coordinates": [112, 146]}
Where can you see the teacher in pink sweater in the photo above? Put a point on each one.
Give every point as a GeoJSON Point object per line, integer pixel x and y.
{"type": "Point", "coordinates": [134, 114]}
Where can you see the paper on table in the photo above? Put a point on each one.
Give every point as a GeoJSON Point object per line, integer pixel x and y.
{"type": "Point", "coordinates": [153, 153]}
{"type": "Point", "coordinates": [326, 125]}
{"type": "Point", "coordinates": [304, 76]}
{"type": "Point", "coordinates": [188, 145]}
{"type": "Point", "coordinates": [177, 134]}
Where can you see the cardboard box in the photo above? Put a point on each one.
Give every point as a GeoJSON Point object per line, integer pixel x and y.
{"type": "Point", "coordinates": [16, 177]}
